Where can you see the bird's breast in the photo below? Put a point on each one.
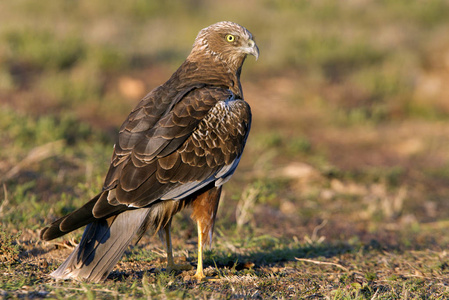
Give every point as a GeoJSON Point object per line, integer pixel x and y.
{"type": "Point", "coordinates": [222, 133]}
{"type": "Point", "coordinates": [230, 114]}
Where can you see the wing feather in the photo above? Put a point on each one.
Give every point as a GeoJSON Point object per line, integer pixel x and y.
{"type": "Point", "coordinates": [168, 151]}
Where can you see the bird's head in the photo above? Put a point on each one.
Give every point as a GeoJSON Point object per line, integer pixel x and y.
{"type": "Point", "coordinates": [227, 42]}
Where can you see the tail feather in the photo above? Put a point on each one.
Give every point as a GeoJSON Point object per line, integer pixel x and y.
{"type": "Point", "coordinates": [102, 245]}
{"type": "Point", "coordinates": [81, 217]}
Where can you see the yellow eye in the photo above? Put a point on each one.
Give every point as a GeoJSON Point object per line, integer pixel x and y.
{"type": "Point", "coordinates": [230, 38]}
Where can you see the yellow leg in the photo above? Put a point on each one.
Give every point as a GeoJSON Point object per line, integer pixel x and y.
{"type": "Point", "coordinates": [199, 275]}
{"type": "Point", "coordinates": [205, 208]}
{"type": "Point", "coordinates": [171, 266]}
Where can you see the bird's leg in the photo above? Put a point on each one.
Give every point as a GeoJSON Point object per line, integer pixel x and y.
{"type": "Point", "coordinates": [199, 275]}
{"type": "Point", "coordinates": [205, 208]}
{"type": "Point", "coordinates": [170, 262]}
{"type": "Point", "coordinates": [171, 266]}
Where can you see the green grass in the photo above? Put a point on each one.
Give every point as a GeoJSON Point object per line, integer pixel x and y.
{"type": "Point", "coordinates": [341, 192]}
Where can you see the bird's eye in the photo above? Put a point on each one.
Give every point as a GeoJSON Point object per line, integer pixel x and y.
{"type": "Point", "coordinates": [230, 38]}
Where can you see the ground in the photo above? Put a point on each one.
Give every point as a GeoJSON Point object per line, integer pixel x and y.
{"type": "Point", "coordinates": [342, 191]}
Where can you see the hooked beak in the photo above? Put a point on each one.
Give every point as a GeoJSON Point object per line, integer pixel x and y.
{"type": "Point", "coordinates": [252, 49]}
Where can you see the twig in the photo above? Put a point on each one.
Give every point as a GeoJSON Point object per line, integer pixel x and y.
{"type": "Point", "coordinates": [322, 263]}
{"type": "Point", "coordinates": [375, 294]}
{"type": "Point", "coordinates": [419, 276]}
{"type": "Point", "coordinates": [317, 228]}
{"type": "Point", "coordinates": [314, 239]}
{"type": "Point", "coordinates": [5, 200]}
{"type": "Point", "coordinates": [37, 154]}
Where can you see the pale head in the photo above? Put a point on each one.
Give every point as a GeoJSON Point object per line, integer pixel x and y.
{"type": "Point", "coordinates": [227, 42]}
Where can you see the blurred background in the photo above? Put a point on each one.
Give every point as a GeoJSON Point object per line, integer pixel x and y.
{"type": "Point", "coordinates": [350, 135]}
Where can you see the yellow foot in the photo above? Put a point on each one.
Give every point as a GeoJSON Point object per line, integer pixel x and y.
{"type": "Point", "coordinates": [201, 277]}
{"type": "Point", "coordinates": [180, 267]}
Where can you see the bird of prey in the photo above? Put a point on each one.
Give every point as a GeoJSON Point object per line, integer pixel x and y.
{"type": "Point", "coordinates": [180, 144]}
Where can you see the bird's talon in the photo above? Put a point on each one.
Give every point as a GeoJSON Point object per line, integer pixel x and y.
{"type": "Point", "coordinates": [199, 277]}
{"type": "Point", "coordinates": [202, 278]}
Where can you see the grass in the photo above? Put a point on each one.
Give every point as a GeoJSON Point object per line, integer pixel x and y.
{"type": "Point", "coordinates": [341, 270]}
{"type": "Point", "coordinates": [342, 190]}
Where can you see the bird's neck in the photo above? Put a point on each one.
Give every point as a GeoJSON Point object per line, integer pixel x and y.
{"type": "Point", "coordinates": [206, 70]}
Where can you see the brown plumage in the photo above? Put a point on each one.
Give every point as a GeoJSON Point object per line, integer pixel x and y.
{"type": "Point", "coordinates": [180, 144]}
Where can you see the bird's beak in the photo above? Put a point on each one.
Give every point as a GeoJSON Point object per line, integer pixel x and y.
{"type": "Point", "coordinates": [252, 49]}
